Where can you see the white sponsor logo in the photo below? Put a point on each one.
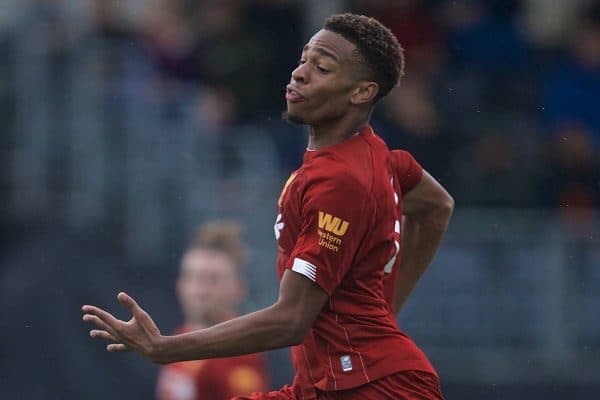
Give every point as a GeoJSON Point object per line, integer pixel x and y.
{"type": "Point", "coordinates": [278, 227]}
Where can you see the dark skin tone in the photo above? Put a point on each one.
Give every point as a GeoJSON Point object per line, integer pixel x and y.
{"type": "Point", "coordinates": [331, 93]}
{"type": "Point", "coordinates": [337, 97]}
{"type": "Point", "coordinates": [427, 209]}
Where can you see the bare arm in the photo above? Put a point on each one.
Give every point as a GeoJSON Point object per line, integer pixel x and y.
{"type": "Point", "coordinates": [283, 324]}
{"type": "Point", "coordinates": [427, 209]}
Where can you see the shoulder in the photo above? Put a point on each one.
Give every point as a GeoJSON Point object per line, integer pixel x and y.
{"type": "Point", "coordinates": [405, 169]}
{"type": "Point", "coordinates": [400, 157]}
{"type": "Point", "coordinates": [331, 171]}
{"type": "Point", "coordinates": [355, 159]}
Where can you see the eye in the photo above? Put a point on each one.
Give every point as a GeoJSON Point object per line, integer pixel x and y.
{"type": "Point", "coordinates": [300, 62]}
{"type": "Point", "coordinates": [322, 70]}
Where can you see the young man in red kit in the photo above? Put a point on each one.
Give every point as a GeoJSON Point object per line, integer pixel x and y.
{"type": "Point", "coordinates": [344, 266]}
{"type": "Point", "coordinates": [210, 288]}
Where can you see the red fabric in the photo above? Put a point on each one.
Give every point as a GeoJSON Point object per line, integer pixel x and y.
{"type": "Point", "coordinates": [407, 174]}
{"type": "Point", "coordinates": [404, 385]}
{"type": "Point", "coordinates": [215, 379]}
{"type": "Point", "coordinates": [338, 225]}
{"type": "Point", "coordinates": [286, 393]}
{"type": "Point", "coordinates": [406, 169]}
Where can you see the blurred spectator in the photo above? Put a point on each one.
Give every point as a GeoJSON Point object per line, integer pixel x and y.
{"type": "Point", "coordinates": [483, 36]}
{"type": "Point", "coordinates": [221, 54]}
{"type": "Point", "coordinates": [487, 54]}
{"type": "Point", "coordinates": [493, 170]}
{"type": "Point", "coordinates": [572, 181]}
{"type": "Point", "coordinates": [549, 22]}
{"type": "Point", "coordinates": [415, 28]}
{"type": "Point", "coordinates": [210, 288]}
{"type": "Point", "coordinates": [226, 44]}
{"type": "Point", "coordinates": [172, 42]}
{"type": "Point", "coordinates": [279, 22]}
{"type": "Point", "coordinates": [409, 119]}
{"type": "Point", "coordinates": [283, 17]}
{"type": "Point", "coordinates": [235, 54]}
{"type": "Point", "coordinates": [571, 94]}
{"type": "Point", "coordinates": [109, 20]}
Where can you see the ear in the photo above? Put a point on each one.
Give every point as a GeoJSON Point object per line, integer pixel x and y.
{"type": "Point", "coordinates": [365, 92]}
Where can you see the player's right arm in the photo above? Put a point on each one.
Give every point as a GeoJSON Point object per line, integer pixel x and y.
{"type": "Point", "coordinates": [427, 208]}
{"type": "Point", "coordinates": [283, 324]}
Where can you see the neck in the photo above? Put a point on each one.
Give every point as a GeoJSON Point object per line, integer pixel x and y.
{"type": "Point", "coordinates": [333, 132]}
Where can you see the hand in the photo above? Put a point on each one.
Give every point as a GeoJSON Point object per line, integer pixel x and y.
{"type": "Point", "coordinates": [139, 334]}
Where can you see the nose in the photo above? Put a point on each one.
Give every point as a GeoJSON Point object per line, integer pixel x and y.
{"type": "Point", "coordinates": [299, 74]}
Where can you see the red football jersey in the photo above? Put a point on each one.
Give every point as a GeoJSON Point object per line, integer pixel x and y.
{"type": "Point", "coordinates": [339, 225]}
{"type": "Point", "coordinates": [407, 173]}
{"type": "Point", "coordinates": [215, 379]}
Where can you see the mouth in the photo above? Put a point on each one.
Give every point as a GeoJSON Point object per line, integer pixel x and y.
{"type": "Point", "coordinates": [292, 95]}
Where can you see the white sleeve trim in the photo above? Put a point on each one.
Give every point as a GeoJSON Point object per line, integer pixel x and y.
{"type": "Point", "coordinates": [305, 268]}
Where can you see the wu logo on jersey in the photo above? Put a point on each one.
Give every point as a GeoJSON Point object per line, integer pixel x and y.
{"type": "Point", "coordinates": [332, 224]}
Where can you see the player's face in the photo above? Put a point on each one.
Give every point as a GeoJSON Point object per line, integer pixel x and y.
{"type": "Point", "coordinates": [323, 82]}
{"type": "Point", "coordinates": [208, 287]}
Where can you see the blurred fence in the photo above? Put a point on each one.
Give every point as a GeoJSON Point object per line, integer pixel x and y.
{"type": "Point", "coordinates": [511, 297]}
{"type": "Point", "coordinates": [99, 142]}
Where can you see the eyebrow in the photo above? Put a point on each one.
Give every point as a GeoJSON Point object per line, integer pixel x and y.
{"type": "Point", "coordinates": [322, 52]}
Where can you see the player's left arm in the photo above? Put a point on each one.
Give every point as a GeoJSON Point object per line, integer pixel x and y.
{"type": "Point", "coordinates": [427, 209]}
{"type": "Point", "coordinates": [283, 324]}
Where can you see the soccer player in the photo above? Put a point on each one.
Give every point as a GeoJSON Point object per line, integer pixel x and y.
{"type": "Point", "coordinates": [342, 274]}
{"type": "Point", "coordinates": [210, 288]}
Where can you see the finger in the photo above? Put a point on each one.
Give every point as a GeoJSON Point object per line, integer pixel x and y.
{"type": "Point", "coordinates": [129, 303]}
{"type": "Point", "coordinates": [117, 347]}
{"type": "Point", "coordinates": [106, 317]}
{"type": "Point", "coordinates": [99, 323]}
{"type": "Point", "coordinates": [98, 334]}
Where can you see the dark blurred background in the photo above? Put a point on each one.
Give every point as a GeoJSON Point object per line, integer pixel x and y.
{"type": "Point", "coordinates": [125, 124]}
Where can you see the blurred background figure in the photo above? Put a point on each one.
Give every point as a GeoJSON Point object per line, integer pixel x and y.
{"type": "Point", "coordinates": [123, 123]}
{"type": "Point", "coordinates": [210, 289]}
{"type": "Point", "coordinates": [570, 98]}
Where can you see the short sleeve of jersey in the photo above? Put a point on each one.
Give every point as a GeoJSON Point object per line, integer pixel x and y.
{"type": "Point", "coordinates": [335, 213]}
{"type": "Point", "coordinates": [406, 169]}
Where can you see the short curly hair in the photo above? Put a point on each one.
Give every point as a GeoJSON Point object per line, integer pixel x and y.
{"type": "Point", "coordinates": [377, 46]}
